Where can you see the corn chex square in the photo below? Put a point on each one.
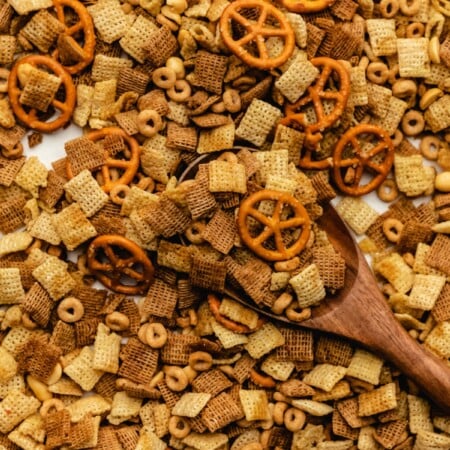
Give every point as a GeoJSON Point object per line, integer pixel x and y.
{"type": "Point", "coordinates": [124, 407]}
{"type": "Point", "coordinates": [365, 366]}
{"type": "Point", "coordinates": [325, 376]}
{"type": "Point", "coordinates": [255, 404]}
{"type": "Point", "coordinates": [11, 289]}
{"type": "Point", "coordinates": [14, 242]}
{"type": "Point", "coordinates": [258, 121]}
{"type": "Point", "coordinates": [81, 370]}
{"type": "Point", "coordinates": [226, 176]}
{"type": "Point", "coordinates": [54, 277]}
{"type": "Point", "coordinates": [16, 407]}
{"type": "Point", "coordinates": [357, 213]}
{"type": "Point", "coordinates": [109, 19]}
{"type": "Point", "coordinates": [239, 313]}
{"type": "Point", "coordinates": [438, 340]}
{"type": "Point", "coordinates": [410, 174]}
{"type": "Point", "coordinates": [85, 190]}
{"type": "Point", "coordinates": [227, 337]}
{"type": "Point", "coordinates": [264, 340]}
{"type": "Point", "coordinates": [190, 404]}
{"type": "Point", "coordinates": [413, 58]}
{"type": "Point", "coordinates": [279, 370]}
{"type": "Point", "coordinates": [206, 441]}
{"type": "Point", "coordinates": [382, 36]}
{"type": "Point", "coordinates": [32, 176]}
{"type": "Point", "coordinates": [73, 226]}
{"type": "Point", "coordinates": [106, 350]}
{"type": "Point", "coordinates": [377, 401]}
{"type": "Point", "coordinates": [24, 7]}
{"type": "Point", "coordinates": [419, 414]}
{"type": "Point", "coordinates": [92, 404]}
{"type": "Point", "coordinates": [394, 268]}
{"type": "Point", "coordinates": [274, 163]}
{"type": "Point", "coordinates": [425, 291]}
{"type": "Point", "coordinates": [308, 286]}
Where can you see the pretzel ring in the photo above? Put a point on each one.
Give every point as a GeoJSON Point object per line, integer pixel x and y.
{"type": "Point", "coordinates": [249, 45]}
{"type": "Point", "coordinates": [274, 226]}
{"type": "Point", "coordinates": [316, 93]}
{"type": "Point", "coordinates": [30, 118]}
{"type": "Point", "coordinates": [306, 6]}
{"type": "Point", "coordinates": [128, 166]}
{"type": "Point", "coordinates": [350, 153]}
{"type": "Point", "coordinates": [117, 262]}
{"type": "Point", "coordinates": [84, 54]}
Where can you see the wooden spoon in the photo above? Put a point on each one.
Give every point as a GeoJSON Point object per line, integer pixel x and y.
{"type": "Point", "coordinates": [360, 312]}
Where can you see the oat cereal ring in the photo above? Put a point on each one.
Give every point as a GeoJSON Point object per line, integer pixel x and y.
{"type": "Point", "coordinates": [363, 147]}
{"type": "Point", "coordinates": [194, 232]}
{"type": "Point", "coordinates": [377, 72]}
{"type": "Point", "coordinates": [265, 381]}
{"type": "Point", "coordinates": [296, 314]}
{"type": "Point", "coordinates": [180, 91]}
{"type": "Point", "coordinates": [149, 122]}
{"type": "Point", "coordinates": [257, 20]}
{"type": "Point", "coordinates": [117, 321]}
{"type": "Point", "coordinates": [415, 30]}
{"type": "Point", "coordinates": [118, 193]}
{"type": "Point", "coordinates": [66, 106]}
{"type": "Point", "coordinates": [230, 157]}
{"type": "Point", "coordinates": [176, 378]}
{"type": "Point", "coordinates": [179, 427]}
{"type": "Point", "coordinates": [49, 405]}
{"type": "Point", "coordinates": [70, 310]}
{"type": "Point", "coordinates": [294, 419]}
{"type": "Point", "coordinates": [332, 73]}
{"type": "Point", "coordinates": [156, 335]}
{"type": "Point", "coordinates": [120, 264]}
{"type": "Point", "coordinates": [397, 138]}
{"type": "Point", "coordinates": [429, 147]}
{"type": "Point", "coordinates": [4, 75]}
{"type": "Point", "coordinates": [388, 190]}
{"type": "Point", "coordinates": [413, 123]}
{"type": "Point", "coordinates": [13, 153]}
{"type": "Point", "coordinates": [389, 8]}
{"type": "Point", "coordinates": [85, 53]}
{"type": "Point", "coordinates": [273, 228]}
{"type": "Point", "coordinates": [164, 77]}
{"type": "Point", "coordinates": [392, 229]}
{"type": "Point", "coordinates": [200, 361]}
{"type": "Point", "coordinates": [409, 7]}
{"type": "Point", "coordinates": [279, 408]}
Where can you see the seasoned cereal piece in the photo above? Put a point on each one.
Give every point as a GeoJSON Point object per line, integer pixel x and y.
{"type": "Point", "coordinates": [396, 271]}
{"type": "Point", "coordinates": [11, 289]}
{"type": "Point", "coordinates": [308, 286]}
{"type": "Point", "coordinates": [190, 404]}
{"type": "Point", "coordinates": [16, 407]}
{"type": "Point", "coordinates": [81, 370]}
{"type": "Point", "coordinates": [365, 366]}
{"type": "Point", "coordinates": [325, 376]}
{"type": "Point", "coordinates": [32, 175]}
{"type": "Point", "coordinates": [377, 401]}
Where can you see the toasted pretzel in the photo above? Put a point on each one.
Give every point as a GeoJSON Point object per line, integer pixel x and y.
{"type": "Point", "coordinates": [258, 30]}
{"type": "Point", "coordinates": [84, 24]}
{"type": "Point", "coordinates": [316, 93]}
{"type": "Point", "coordinates": [262, 380]}
{"type": "Point", "coordinates": [306, 6]}
{"type": "Point", "coordinates": [116, 262]}
{"type": "Point", "coordinates": [349, 153]}
{"type": "Point", "coordinates": [129, 166]}
{"type": "Point", "coordinates": [274, 225]}
{"type": "Point", "coordinates": [30, 118]}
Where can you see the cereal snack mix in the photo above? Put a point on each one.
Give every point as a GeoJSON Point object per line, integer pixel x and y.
{"type": "Point", "coordinates": [162, 159]}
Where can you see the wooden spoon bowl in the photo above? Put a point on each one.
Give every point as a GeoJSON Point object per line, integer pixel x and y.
{"type": "Point", "coordinates": [360, 312]}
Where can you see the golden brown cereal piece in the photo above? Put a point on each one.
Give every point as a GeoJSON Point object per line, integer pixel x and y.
{"type": "Point", "coordinates": [376, 401]}
{"type": "Point", "coordinates": [190, 404]}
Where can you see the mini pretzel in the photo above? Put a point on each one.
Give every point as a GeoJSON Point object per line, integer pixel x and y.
{"type": "Point", "coordinates": [258, 29]}
{"type": "Point", "coordinates": [84, 24]}
{"type": "Point", "coordinates": [30, 118]}
{"type": "Point", "coordinates": [306, 6]}
{"type": "Point", "coordinates": [120, 264]}
{"type": "Point", "coordinates": [274, 225]}
{"type": "Point", "coordinates": [128, 166]}
{"type": "Point", "coordinates": [350, 154]}
{"type": "Point", "coordinates": [316, 93]}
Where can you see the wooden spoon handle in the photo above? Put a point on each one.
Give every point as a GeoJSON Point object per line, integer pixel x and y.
{"type": "Point", "coordinates": [429, 372]}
